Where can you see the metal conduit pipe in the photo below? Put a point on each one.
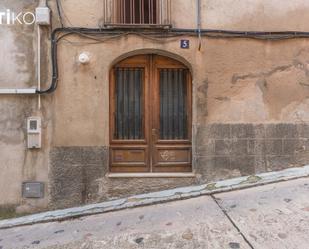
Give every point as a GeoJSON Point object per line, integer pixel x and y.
{"type": "Point", "coordinates": [199, 22]}
{"type": "Point", "coordinates": [277, 35]}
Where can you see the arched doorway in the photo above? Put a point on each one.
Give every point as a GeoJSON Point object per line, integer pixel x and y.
{"type": "Point", "coordinates": [150, 115]}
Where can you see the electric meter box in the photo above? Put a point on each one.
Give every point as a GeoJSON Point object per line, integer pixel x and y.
{"type": "Point", "coordinates": [34, 132]}
{"type": "Point", "coordinates": [42, 16]}
{"type": "Point", "coordinates": [33, 190]}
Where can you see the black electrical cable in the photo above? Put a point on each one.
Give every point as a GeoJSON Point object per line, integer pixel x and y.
{"type": "Point", "coordinates": [165, 33]}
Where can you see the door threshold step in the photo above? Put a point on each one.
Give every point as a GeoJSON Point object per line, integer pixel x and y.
{"type": "Point", "coordinates": [151, 175]}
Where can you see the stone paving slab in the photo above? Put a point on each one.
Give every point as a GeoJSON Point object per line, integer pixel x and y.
{"type": "Point", "coordinates": [273, 216]}
{"type": "Point", "coordinates": [196, 223]}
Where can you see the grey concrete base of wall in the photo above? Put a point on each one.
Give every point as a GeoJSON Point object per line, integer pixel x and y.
{"type": "Point", "coordinates": [220, 151]}
{"type": "Point", "coordinates": [224, 151]}
{"type": "Point", "coordinates": [73, 172]}
{"type": "Point", "coordinates": [159, 197]}
{"type": "Point", "coordinates": [78, 176]}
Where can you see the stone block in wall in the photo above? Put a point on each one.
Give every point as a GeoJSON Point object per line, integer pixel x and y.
{"type": "Point", "coordinates": [215, 168]}
{"type": "Point", "coordinates": [221, 162]}
{"type": "Point", "coordinates": [290, 146]}
{"type": "Point", "coordinates": [302, 151]}
{"type": "Point", "coordinates": [251, 148]}
{"type": "Point", "coordinates": [242, 131]}
{"type": "Point", "coordinates": [260, 164]}
{"type": "Point", "coordinates": [245, 164]}
{"type": "Point", "coordinates": [204, 166]}
{"type": "Point", "coordinates": [223, 147]}
{"type": "Point", "coordinates": [273, 147]}
{"type": "Point", "coordinates": [66, 184]}
{"type": "Point", "coordinates": [302, 145]}
{"type": "Point", "coordinates": [212, 131]}
{"type": "Point", "coordinates": [281, 131]}
{"type": "Point", "coordinates": [275, 163]}
{"type": "Point", "coordinates": [207, 149]}
{"type": "Point", "coordinates": [247, 131]}
{"type": "Point", "coordinates": [239, 147]}
{"type": "Point", "coordinates": [256, 147]}
{"type": "Point", "coordinates": [303, 130]}
{"type": "Point", "coordinates": [231, 147]}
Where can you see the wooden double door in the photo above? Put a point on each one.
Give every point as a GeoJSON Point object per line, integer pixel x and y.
{"type": "Point", "coordinates": [150, 115]}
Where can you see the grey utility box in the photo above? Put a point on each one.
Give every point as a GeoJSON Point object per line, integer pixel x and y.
{"type": "Point", "coordinates": [42, 16]}
{"type": "Point", "coordinates": [34, 132]}
{"type": "Point", "coordinates": [33, 190]}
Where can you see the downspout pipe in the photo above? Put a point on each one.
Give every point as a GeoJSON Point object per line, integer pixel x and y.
{"type": "Point", "coordinates": [199, 23]}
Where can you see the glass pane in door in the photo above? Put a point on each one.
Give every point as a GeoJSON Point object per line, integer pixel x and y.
{"type": "Point", "coordinates": [128, 104]}
{"type": "Point", "coordinates": [173, 104]}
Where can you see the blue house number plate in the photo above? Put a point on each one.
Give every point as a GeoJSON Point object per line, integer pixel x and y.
{"type": "Point", "coordinates": [185, 44]}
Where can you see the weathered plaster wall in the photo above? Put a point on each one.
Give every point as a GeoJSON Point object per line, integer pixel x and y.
{"type": "Point", "coordinates": [240, 121]}
{"type": "Point", "coordinates": [235, 81]}
{"type": "Point", "coordinates": [18, 70]}
{"type": "Point", "coordinates": [251, 92]}
{"type": "Point", "coordinates": [271, 86]}
{"type": "Point", "coordinates": [250, 100]}
{"type": "Point", "coordinates": [216, 14]}
{"type": "Point", "coordinates": [255, 14]}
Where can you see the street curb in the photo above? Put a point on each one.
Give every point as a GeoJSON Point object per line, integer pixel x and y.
{"type": "Point", "coordinates": [159, 197]}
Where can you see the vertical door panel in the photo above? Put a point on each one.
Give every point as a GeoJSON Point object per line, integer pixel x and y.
{"type": "Point", "coordinates": [172, 118]}
{"type": "Point", "coordinates": [129, 149]}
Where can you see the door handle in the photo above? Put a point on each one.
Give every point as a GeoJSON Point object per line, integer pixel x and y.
{"type": "Point", "coordinates": [154, 134]}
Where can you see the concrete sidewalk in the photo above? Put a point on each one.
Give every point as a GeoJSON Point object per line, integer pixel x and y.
{"type": "Point", "coordinates": [159, 197]}
{"type": "Point", "coordinates": [271, 216]}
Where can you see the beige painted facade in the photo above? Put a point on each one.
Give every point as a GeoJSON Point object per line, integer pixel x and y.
{"type": "Point", "coordinates": [235, 82]}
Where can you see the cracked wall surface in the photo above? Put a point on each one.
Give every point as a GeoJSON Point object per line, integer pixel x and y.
{"type": "Point", "coordinates": [250, 100]}
{"type": "Point", "coordinates": [249, 108]}
{"type": "Point", "coordinates": [18, 70]}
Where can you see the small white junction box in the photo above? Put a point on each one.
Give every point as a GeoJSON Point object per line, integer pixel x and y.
{"type": "Point", "coordinates": [34, 132]}
{"type": "Point", "coordinates": [42, 16]}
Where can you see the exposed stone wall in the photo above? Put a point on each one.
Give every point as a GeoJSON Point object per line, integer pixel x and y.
{"type": "Point", "coordinates": [230, 150]}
